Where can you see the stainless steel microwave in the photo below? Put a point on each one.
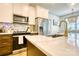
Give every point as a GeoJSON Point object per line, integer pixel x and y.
{"type": "Point", "coordinates": [20, 19]}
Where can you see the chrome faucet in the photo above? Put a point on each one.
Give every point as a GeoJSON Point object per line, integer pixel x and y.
{"type": "Point", "coordinates": [66, 30]}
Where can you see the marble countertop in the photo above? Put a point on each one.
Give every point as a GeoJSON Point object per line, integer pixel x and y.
{"type": "Point", "coordinates": [5, 33]}
{"type": "Point", "coordinates": [53, 46]}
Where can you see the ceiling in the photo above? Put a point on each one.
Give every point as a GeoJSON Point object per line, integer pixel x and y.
{"type": "Point", "coordinates": [59, 9]}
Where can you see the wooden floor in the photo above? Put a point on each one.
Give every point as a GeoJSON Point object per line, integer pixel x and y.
{"type": "Point", "coordinates": [21, 52]}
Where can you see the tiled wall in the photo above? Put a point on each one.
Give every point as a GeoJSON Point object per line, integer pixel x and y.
{"type": "Point", "coordinates": [13, 27]}
{"type": "Point", "coordinates": [6, 26]}
{"type": "Point", "coordinates": [20, 27]}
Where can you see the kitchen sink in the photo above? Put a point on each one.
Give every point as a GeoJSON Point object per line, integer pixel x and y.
{"type": "Point", "coordinates": [57, 35]}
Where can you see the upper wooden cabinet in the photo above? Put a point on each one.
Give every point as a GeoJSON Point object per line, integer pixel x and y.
{"type": "Point", "coordinates": [41, 12]}
{"type": "Point", "coordinates": [20, 9]}
{"type": "Point", "coordinates": [6, 12]}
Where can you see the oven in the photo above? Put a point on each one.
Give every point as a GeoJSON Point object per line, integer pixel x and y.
{"type": "Point", "coordinates": [18, 45]}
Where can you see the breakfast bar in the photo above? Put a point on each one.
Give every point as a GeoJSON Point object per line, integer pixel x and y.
{"type": "Point", "coordinates": [49, 46]}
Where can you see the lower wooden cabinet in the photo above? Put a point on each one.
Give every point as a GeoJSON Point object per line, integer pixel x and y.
{"type": "Point", "coordinates": [33, 51]}
{"type": "Point", "coordinates": [6, 44]}
{"type": "Point", "coordinates": [5, 50]}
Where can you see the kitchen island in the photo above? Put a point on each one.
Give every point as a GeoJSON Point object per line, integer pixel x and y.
{"type": "Point", "coordinates": [49, 46]}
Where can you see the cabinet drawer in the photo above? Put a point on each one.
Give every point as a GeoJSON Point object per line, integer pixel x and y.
{"type": "Point", "coordinates": [5, 50]}
{"type": "Point", "coordinates": [6, 40]}
{"type": "Point", "coordinates": [5, 36]}
{"type": "Point", "coordinates": [5, 44]}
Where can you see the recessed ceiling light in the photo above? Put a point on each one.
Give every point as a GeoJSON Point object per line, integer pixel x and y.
{"type": "Point", "coordinates": [72, 4]}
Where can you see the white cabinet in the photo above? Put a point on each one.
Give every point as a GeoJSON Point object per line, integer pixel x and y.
{"type": "Point", "coordinates": [20, 9]}
{"type": "Point", "coordinates": [25, 10]}
{"type": "Point", "coordinates": [17, 8]}
{"type": "Point", "coordinates": [41, 12]}
{"type": "Point", "coordinates": [32, 13]}
{"type": "Point", "coordinates": [6, 12]}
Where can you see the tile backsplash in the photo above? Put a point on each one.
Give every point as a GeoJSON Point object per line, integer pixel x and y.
{"type": "Point", "coordinates": [9, 27]}
{"type": "Point", "coordinates": [6, 27]}
{"type": "Point", "coordinates": [20, 27]}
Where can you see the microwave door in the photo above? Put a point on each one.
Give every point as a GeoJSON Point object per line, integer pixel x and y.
{"type": "Point", "coordinates": [20, 19]}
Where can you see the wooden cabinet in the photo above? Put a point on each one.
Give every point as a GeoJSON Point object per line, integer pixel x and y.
{"type": "Point", "coordinates": [6, 14]}
{"type": "Point", "coordinates": [5, 44]}
{"type": "Point", "coordinates": [33, 51]}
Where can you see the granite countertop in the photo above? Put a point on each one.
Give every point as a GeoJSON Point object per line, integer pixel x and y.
{"type": "Point", "coordinates": [53, 46]}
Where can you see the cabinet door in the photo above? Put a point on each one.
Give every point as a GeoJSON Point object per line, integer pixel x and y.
{"type": "Point", "coordinates": [31, 15]}
{"type": "Point", "coordinates": [5, 50]}
{"type": "Point", "coordinates": [17, 8]}
{"type": "Point", "coordinates": [6, 44]}
{"type": "Point", "coordinates": [33, 51]}
{"type": "Point", "coordinates": [41, 12]}
{"type": "Point", "coordinates": [6, 12]}
{"type": "Point", "coordinates": [25, 10]}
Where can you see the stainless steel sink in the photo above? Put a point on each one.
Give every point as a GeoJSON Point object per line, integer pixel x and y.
{"type": "Point", "coordinates": [57, 35]}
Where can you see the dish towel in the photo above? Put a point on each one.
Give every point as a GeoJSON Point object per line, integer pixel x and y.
{"type": "Point", "coordinates": [20, 41]}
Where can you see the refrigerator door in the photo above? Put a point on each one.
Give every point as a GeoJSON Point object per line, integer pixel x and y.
{"type": "Point", "coordinates": [45, 27]}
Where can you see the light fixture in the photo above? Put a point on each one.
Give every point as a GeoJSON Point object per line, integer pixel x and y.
{"type": "Point", "coordinates": [72, 4]}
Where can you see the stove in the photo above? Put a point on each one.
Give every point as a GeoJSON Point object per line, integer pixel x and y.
{"type": "Point", "coordinates": [21, 33]}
